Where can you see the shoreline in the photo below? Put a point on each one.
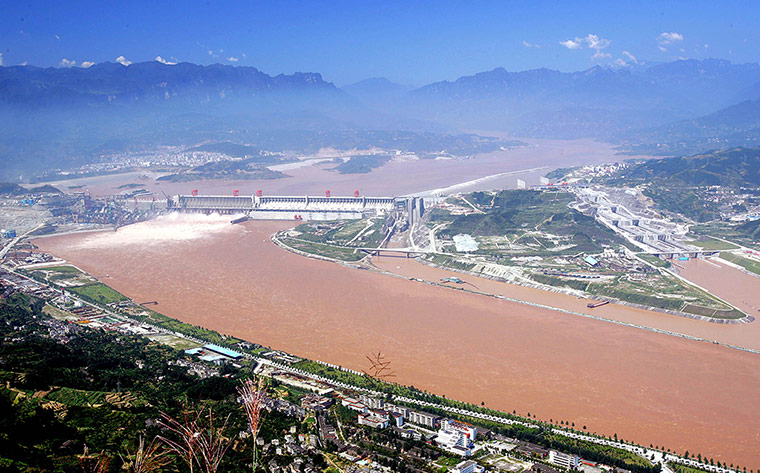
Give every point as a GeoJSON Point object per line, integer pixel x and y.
{"type": "Point", "coordinates": [378, 270]}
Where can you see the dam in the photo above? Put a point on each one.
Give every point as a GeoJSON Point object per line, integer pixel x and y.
{"type": "Point", "coordinates": [259, 207]}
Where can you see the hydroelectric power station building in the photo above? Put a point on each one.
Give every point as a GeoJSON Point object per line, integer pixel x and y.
{"type": "Point", "coordinates": [298, 207]}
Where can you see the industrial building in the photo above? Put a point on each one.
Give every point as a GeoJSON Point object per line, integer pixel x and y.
{"type": "Point", "coordinates": [298, 207]}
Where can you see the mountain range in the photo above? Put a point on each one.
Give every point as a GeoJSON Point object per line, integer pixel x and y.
{"type": "Point", "coordinates": [63, 117]}
{"type": "Point", "coordinates": [738, 167]}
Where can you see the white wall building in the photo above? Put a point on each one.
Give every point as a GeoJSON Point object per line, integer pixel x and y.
{"type": "Point", "coordinates": [454, 441]}
{"type": "Point", "coordinates": [467, 466]}
{"type": "Point", "coordinates": [563, 459]}
{"type": "Point", "coordinates": [373, 421]}
{"type": "Point", "coordinates": [372, 402]}
{"type": "Point", "coordinates": [467, 429]}
{"type": "Point", "coordinates": [423, 418]}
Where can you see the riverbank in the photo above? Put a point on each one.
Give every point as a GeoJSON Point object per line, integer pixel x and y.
{"type": "Point", "coordinates": [234, 280]}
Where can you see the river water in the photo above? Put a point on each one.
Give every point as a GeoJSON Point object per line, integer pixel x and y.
{"type": "Point", "coordinates": [644, 386]}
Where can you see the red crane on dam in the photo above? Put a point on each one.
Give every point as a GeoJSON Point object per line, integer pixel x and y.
{"type": "Point", "coordinates": [259, 193]}
{"type": "Point", "coordinates": [235, 193]}
{"type": "Point", "coordinates": [356, 193]}
{"type": "Point", "coordinates": [327, 193]}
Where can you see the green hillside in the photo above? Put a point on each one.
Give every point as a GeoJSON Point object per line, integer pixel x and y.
{"type": "Point", "coordinates": [739, 167]}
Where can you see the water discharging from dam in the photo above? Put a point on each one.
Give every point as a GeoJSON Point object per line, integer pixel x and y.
{"type": "Point", "coordinates": [644, 386]}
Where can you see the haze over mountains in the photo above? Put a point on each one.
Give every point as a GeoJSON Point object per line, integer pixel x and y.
{"type": "Point", "coordinates": [68, 116]}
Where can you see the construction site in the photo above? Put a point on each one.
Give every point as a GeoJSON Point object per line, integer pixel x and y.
{"type": "Point", "coordinates": [623, 211]}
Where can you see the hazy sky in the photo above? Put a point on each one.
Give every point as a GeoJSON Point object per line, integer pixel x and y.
{"type": "Point", "coordinates": [410, 41]}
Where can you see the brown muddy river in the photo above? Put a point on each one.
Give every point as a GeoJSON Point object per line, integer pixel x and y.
{"type": "Point", "coordinates": [644, 386]}
{"type": "Point", "coordinates": [393, 179]}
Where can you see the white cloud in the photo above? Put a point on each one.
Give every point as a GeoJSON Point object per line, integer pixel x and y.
{"type": "Point", "coordinates": [57, 37]}
{"type": "Point", "coordinates": [531, 45]}
{"type": "Point", "coordinates": [164, 61]}
{"type": "Point", "coordinates": [232, 59]}
{"type": "Point", "coordinates": [630, 57]}
{"type": "Point", "coordinates": [86, 64]}
{"type": "Point", "coordinates": [67, 63]}
{"type": "Point", "coordinates": [599, 55]}
{"type": "Point", "coordinates": [619, 63]}
{"type": "Point", "coordinates": [591, 41]}
{"type": "Point", "coordinates": [123, 61]}
{"type": "Point", "coordinates": [666, 39]}
{"type": "Point", "coordinates": [669, 38]}
{"type": "Point", "coordinates": [571, 44]}
{"type": "Point", "coordinates": [210, 52]}
{"type": "Point", "coordinates": [595, 42]}
{"type": "Point", "coordinates": [25, 63]}
{"type": "Point", "coordinates": [1, 59]}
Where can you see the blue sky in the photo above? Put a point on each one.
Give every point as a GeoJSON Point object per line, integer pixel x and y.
{"type": "Point", "coordinates": [414, 42]}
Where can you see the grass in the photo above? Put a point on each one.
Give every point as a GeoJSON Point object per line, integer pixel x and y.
{"type": "Point", "coordinates": [537, 223]}
{"type": "Point", "coordinates": [666, 292]}
{"type": "Point", "coordinates": [343, 233]}
{"type": "Point", "coordinates": [709, 243]}
{"type": "Point", "coordinates": [99, 293]}
{"type": "Point", "coordinates": [678, 468]}
{"type": "Point", "coordinates": [57, 313]}
{"type": "Point", "coordinates": [63, 269]}
{"type": "Point", "coordinates": [654, 260]}
{"type": "Point", "coordinates": [322, 249]}
{"type": "Point", "coordinates": [742, 233]}
{"type": "Point", "coordinates": [746, 263]}
{"type": "Point", "coordinates": [76, 397]}
{"type": "Point", "coordinates": [448, 461]}
{"type": "Point", "coordinates": [448, 262]}
{"type": "Point", "coordinates": [174, 341]}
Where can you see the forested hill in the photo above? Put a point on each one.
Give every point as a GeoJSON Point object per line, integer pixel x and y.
{"type": "Point", "coordinates": [739, 167]}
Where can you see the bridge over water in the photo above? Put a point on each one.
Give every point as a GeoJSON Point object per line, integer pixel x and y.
{"type": "Point", "coordinates": [690, 253]}
{"type": "Point", "coordinates": [406, 252]}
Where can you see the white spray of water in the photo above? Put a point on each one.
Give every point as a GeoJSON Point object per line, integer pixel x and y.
{"type": "Point", "coordinates": [171, 228]}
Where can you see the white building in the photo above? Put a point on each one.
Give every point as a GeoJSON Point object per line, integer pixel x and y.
{"type": "Point", "coordinates": [373, 421]}
{"type": "Point", "coordinates": [468, 429]}
{"type": "Point", "coordinates": [372, 402]}
{"type": "Point", "coordinates": [404, 411]}
{"type": "Point", "coordinates": [423, 418]}
{"type": "Point", "coordinates": [455, 442]}
{"type": "Point", "coordinates": [564, 460]}
{"type": "Point", "coordinates": [398, 419]}
{"type": "Point", "coordinates": [353, 404]}
{"type": "Point", "coordinates": [467, 466]}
